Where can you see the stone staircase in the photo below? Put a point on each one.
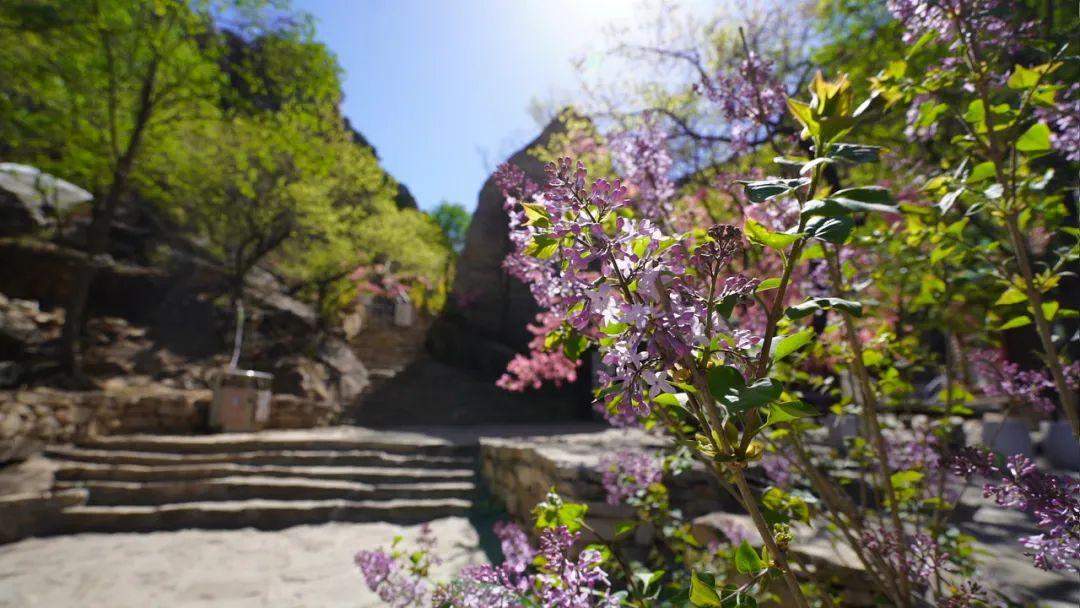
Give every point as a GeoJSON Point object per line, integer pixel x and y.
{"type": "Point", "coordinates": [267, 480]}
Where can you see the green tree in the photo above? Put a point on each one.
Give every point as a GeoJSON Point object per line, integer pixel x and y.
{"type": "Point", "coordinates": [89, 84]}
{"type": "Point", "coordinates": [454, 220]}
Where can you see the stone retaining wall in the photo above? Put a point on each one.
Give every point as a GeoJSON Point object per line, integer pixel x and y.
{"type": "Point", "coordinates": [520, 471]}
{"type": "Point", "coordinates": [31, 418]}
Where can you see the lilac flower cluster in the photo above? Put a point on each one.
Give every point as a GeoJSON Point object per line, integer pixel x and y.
{"type": "Point", "coordinates": [917, 448]}
{"type": "Point", "coordinates": [750, 97]}
{"type": "Point", "coordinates": [642, 157]}
{"type": "Point", "coordinates": [568, 583]}
{"type": "Point", "coordinates": [736, 532]}
{"type": "Point", "coordinates": [394, 584]}
{"type": "Point", "coordinates": [777, 467]}
{"type": "Point", "coordinates": [628, 475]}
{"type": "Point", "coordinates": [942, 17]}
{"type": "Point", "coordinates": [1000, 377]}
{"type": "Point", "coordinates": [921, 558]}
{"type": "Point", "coordinates": [562, 581]}
{"type": "Point", "coordinates": [653, 296]}
{"type": "Point", "coordinates": [540, 364]}
{"type": "Point", "coordinates": [1064, 121]}
{"type": "Point", "coordinates": [1053, 500]}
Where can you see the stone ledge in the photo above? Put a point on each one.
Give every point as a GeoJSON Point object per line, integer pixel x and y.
{"type": "Point", "coordinates": [30, 419]}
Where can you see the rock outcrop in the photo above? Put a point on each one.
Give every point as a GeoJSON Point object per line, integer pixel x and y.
{"type": "Point", "coordinates": [481, 329]}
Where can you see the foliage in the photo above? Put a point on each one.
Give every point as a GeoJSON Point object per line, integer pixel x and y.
{"type": "Point", "coordinates": [224, 116]}
{"type": "Point", "coordinates": [952, 215]}
{"type": "Point", "coordinates": [454, 220]}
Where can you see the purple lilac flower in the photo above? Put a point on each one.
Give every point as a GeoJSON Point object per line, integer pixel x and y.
{"type": "Point", "coordinates": [483, 586]}
{"type": "Point", "coordinates": [598, 252]}
{"type": "Point", "coordinates": [395, 586]}
{"type": "Point", "coordinates": [516, 550]}
{"type": "Point", "coordinates": [629, 474]}
{"type": "Point", "coordinates": [968, 595]}
{"type": "Point", "coordinates": [736, 532]}
{"type": "Point", "coordinates": [1000, 377]}
{"type": "Point", "coordinates": [777, 467]}
{"type": "Point", "coordinates": [750, 97]}
{"type": "Point", "coordinates": [566, 583]}
{"type": "Point", "coordinates": [642, 156]}
{"type": "Point", "coordinates": [1064, 122]}
{"type": "Point", "coordinates": [985, 17]}
{"type": "Point", "coordinates": [925, 557]}
{"type": "Point", "coordinates": [916, 448]}
{"type": "Point", "coordinates": [1053, 500]}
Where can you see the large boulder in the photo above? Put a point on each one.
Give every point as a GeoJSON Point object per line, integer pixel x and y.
{"type": "Point", "coordinates": [481, 329]}
{"type": "Point", "coordinates": [484, 322]}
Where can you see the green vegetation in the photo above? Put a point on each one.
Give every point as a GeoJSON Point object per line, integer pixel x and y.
{"type": "Point", "coordinates": [221, 115]}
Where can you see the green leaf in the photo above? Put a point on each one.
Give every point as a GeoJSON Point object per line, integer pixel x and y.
{"type": "Point", "coordinates": [1011, 295]}
{"type": "Point", "coordinates": [855, 153]}
{"type": "Point", "coordinates": [723, 379]}
{"type": "Point", "coordinates": [760, 191]}
{"type": "Point", "coordinates": [904, 479]}
{"type": "Point", "coordinates": [1015, 322]}
{"type": "Point", "coordinates": [702, 590]}
{"type": "Point", "coordinates": [865, 194]}
{"type": "Point", "coordinates": [649, 579]}
{"type": "Point", "coordinates": [788, 411]}
{"type": "Point", "coordinates": [614, 329]}
{"type": "Point", "coordinates": [1025, 78]}
{"type": "Point", "coordinates": [824, 208]}
{"type": "Point", "coordinates": [727, 305]}
{"type": "Point", "coordinates": [767, 284]}
{"type": "Point", "coordinates": [906, 484]}
{"type": "Point", "coordinates": [747, 560]}
{"type": "Point", "coordinates": [761, 235]}
{"type": "Point", "coordinates": [622, 528]}
{"type": "Point", "coordinates": [1049, 310]}
{"type": "Point", "coordinates": [808, 307]}
{"type": "Point", "coordinates": [1035, 139]}
{"type": "Point", "coordinates": [536, 214]}
{"type": "Point", "coordinates": [542, 247]}
{"type": "Point", "coordinates": [761, 392]}
{"type": "Point", "coordinates": [841, 203]}
{"type": "Point", "coordinates": [574, 346]}
{"type": "Point", "coordinates": [726, 384]}
{"type": "Point", "coordinates": [830, 229]}
{"type": "Point", "coordinates": [976, 112]}
{"type": "Point", "coordinates": [921, 42]}
{"type": "Point", "coordinates": [950, 199]}
{"type": "Point", "coordinates": [855, 205]}
{"type": "Point", "coordinates": [572, 515]}
{"type": "Point", "coordinates": [805, 115]}
{"type": "Point", "coordinates": [671, 399]}
{"type": "Point", "coordinates": [789, 344]}
{"type": "Point", "coordinates": [981, 171]}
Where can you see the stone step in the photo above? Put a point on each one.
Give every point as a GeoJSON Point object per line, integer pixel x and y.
{"type": "Point", "coordinates": [338, 439]}
{"type": "Point", "coordinates": [87, 471]}
{"type": "Point", "coordinates": [256, 487]}
{"type": "Point", "coordinates": [260, 514]}
{"type": "Point", "coordinates": [274, 457]}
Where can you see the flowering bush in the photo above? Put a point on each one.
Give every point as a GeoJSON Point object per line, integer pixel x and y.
{"type": "Point", "coordinates": [842, 276]}
{"type": "Point", "coordinates": [553, 574]}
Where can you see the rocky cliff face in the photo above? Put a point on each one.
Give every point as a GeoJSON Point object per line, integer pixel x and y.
{"type": "Point", "coordinates": [480, 330]}
{"type": "Point", "coordinates": [484, 322]}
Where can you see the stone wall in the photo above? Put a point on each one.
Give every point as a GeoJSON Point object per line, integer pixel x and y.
{"type": "Point", "coordinates": [30, 419]}
{"type": "Point", "coordinates": [519, 472]}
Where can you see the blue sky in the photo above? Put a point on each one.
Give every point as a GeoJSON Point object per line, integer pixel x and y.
{"type": "Point", "coordinates": [442, 88]}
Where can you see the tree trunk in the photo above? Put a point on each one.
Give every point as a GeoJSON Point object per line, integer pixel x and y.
{"type": "Point", "coordinates": [98, 237]}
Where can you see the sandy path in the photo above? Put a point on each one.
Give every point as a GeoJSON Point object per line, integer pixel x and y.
{"type": "Point", "coordinates": [306, 566]}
